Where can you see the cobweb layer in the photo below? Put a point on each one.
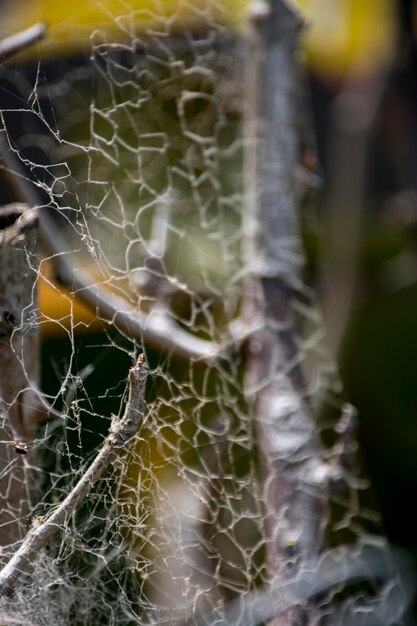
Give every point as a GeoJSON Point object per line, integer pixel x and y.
{"type": "Point", "coordinates": [136, 154]}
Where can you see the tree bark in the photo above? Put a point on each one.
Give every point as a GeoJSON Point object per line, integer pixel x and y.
{"type": "Point", "coordinates": [275, 385]}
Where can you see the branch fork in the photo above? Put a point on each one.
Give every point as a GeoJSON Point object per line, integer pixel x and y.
{"type": "Point", "coordinates": [122, 431]}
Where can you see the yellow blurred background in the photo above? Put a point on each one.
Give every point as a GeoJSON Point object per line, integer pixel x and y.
{"type": "Point", "coordinates": [347, 34]}
{"type": "Point", "coordinates": [344, 38]}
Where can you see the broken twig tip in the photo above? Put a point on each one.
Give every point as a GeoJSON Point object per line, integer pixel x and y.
{"type": "Point", "coordinates": [22, 40]}
{"type": "Point", "coordinates": [259, 11]}
{"type": "Point", "coordinates": [140, 368]}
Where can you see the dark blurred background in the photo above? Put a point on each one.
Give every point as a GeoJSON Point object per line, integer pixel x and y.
{"type": "Point", "coordinates": [366, 129]}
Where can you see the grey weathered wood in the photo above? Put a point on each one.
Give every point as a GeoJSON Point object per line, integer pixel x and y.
{"type": "Point", "coordinates": [275, 385]}
{"type": "Point", "coordinates": [18, 42]}
{"type": "Point", "coordinates": [19, 360]}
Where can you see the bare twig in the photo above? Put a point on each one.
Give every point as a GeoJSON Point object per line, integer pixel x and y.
{"type": "Point", "coordinates": [122, 430]}
{"type": "Point", "coordinates": [26, 407]}
{"type": "Point", "coordinates": [19, 42]}
{"type": "Point", "coordinates": [159, 330]}
{"type": "Point", "coordinates": [22, 406]}
{"type": "Point", "coordinates": [287, 433]}
{"type": "Point", "coordinates": [19, 337]}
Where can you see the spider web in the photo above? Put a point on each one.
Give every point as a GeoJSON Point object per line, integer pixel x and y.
{"type": "Point", "coordinates": [137, 156]}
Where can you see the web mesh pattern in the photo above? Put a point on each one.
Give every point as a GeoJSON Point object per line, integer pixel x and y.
{"type": "Point", "coordinates": [137, 157]}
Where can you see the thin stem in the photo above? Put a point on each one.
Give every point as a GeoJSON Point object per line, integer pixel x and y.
{"type": "Point", "coordinates": [122, 430]}
{"type": "Point", "coordinates": [19, 362]}
{"type": "Point", "coordinates": [156, 329]}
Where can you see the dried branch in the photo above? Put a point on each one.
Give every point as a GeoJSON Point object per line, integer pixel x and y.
{"type": "Point", "coordinates": [287, 433]}
{"type": "Point", "coordinates": [122, 430]}
{"type": "Point", "coordinates": [10, 46]}
{"type": "Point", "coordinates": [19, 336]}
{"type": "Point", "coordinates": [159, 330]}
{"type": "Point", "coordinates": [19, 361]}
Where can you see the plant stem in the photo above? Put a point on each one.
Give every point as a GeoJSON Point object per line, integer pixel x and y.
{"type": "Point", "coordinates": [114, 446]}
{"type": "Point", "coordinates": [275, 384]}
